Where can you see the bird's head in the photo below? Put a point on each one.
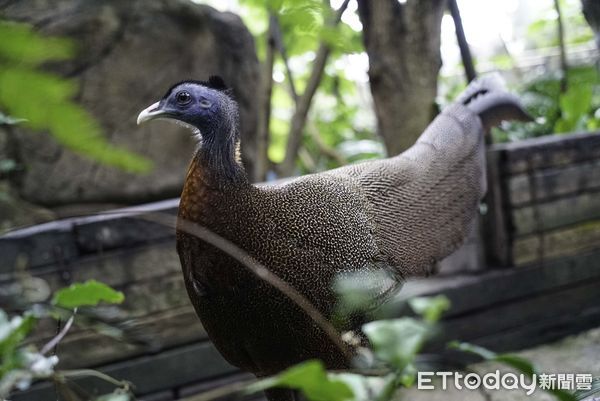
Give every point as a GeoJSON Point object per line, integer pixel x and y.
{"type": "Point", "coordinates": [205, 105]}
{"type": "Point", "coordinates": [209, 108]}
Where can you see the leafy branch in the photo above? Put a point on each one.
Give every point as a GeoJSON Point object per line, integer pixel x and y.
{"type": "Point", "coordinates": [20, 364]}
{"type": "Point", "coordinates": [42, 101]}
{"type": "Point", "coordinates": [304, 101]}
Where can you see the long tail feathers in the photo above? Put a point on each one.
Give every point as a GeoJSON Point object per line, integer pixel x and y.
{"type": "Point", "coordinates": [487, 97]}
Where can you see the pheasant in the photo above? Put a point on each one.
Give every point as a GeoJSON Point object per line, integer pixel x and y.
{"type": "Point", "coordinates": [398, 215]}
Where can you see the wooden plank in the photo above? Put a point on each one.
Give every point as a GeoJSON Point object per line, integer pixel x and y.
{"type": "Point", "coordinates": [553, 183]}
{"type": "Point", "coordinates": [37, 248]}
{"type": "Point", "coordinates": [115, 268]}
{"type": "Point", "coordinates": [520, 313]}
{"type": "Point", "coordinates": [148, 334]}
{"type": "Point", "coordinates": [548, 151]}
{"type": "Point", "coordinates": [570, 241]}
{"type": "Point", "coordinates": [495, 222]}
{"type": "Point", "coordinates": [149, 276]}
{"type": "Point", "coordinates": [470, 293]}
{"type": "Point", "coordinates": [118, 268]}
{"type": "Point", "coordinates": [170, 369]}
{"type": "Point", "coordinates": [559, 213]}
{"type": "Point", "coordinates": [64, 240]}
{"type": "Point", "coordinates": [193, 391]}
{"type": "Point", "coordinates": [543, 331]}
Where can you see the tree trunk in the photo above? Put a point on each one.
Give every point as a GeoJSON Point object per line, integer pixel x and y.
{"type": "Point", "coordinates": [403, 44]}
{"type": "Point", "coordinates": [591, 11]}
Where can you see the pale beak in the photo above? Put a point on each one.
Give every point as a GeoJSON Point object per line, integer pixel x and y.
{"type": "Point", "coordinates": [150, 113]}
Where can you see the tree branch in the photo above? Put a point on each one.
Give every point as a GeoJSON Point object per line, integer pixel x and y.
{"type": "Point", "coordinates": [283, 52]}
{"type": "Point", "coordinates": [58, 338]}
{"type": "Point", "coordinates": [561, 44]}
{"type": "Point", "coordinates": [312, 129]}
{"type": "Point", "coordinates": [264, 117]}
{"type": "Point", "coordinates": [304, 102]}
{"type": "Point", "coordinates": [465, 52]}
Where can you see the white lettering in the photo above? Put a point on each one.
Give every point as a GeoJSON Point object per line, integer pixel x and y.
{"type": "Point", "coordinates": [423, 381]}
{"type": "Point", "coordinates": [472, 381]}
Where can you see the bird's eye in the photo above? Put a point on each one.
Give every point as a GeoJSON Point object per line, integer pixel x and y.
{"type": "Point", "coordinates": [184, 97]}
{"type": "Point", "coordinates": [205, 103]}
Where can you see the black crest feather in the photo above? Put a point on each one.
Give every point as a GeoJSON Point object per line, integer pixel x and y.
{"type": "Point", "coordinates": [214, 82]}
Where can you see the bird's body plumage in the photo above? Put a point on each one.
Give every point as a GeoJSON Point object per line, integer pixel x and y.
{"type": "Point", "coordinates": [398, 215]}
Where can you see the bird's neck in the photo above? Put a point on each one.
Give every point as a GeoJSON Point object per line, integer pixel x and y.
{"type": "Point", "coordinates": [219, 159]}
{"type": "Point", "coordinates": [215, 172]}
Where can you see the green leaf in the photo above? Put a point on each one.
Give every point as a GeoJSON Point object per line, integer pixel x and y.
{"type": "Point", "coordinates": [515, 361]}
{"type": "Point", "coordinates": [365, 387]}
{"type": "Point", "coordinates": [356, 291]}
{"type": "Point", "coordinates": [12, 334]}
{"type": "Point", "coordinates": [397, 341]}
{"type": "Point", "coordinates": [408, 376]}
{"type": "Point", "coordinates": [89, 293]}
{"type": "Point", "coordinates": [474, 349]}
{"type": "Point", "coordinates": [13, 331]}
{"type": "Point", "coordinates": [68, 122]}
{"type": "Point", "coordinates": [520, 364]}
{"type": "Point", "coordinates": [431, 308]}
{"type": "Point", "coordinates": [20, 44]}
{"type": "Point", "coordinates": [312, 379]}
{"type": "Point", "coordinates": [51, 109]}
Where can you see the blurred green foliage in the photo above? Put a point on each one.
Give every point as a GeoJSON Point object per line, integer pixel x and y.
{"type": "Point", "coordinates": [312, 379]}
{"type": "Point", "coordinates": [42, 101]}
{"type": "Point", "coordinates": [542, 32]}
{"type": "Point", "coordinates": [21, 361]}
{"type": "Point", "coordinates": [576, 110]}
{"type": "Point", "coordinates": [344, 128]}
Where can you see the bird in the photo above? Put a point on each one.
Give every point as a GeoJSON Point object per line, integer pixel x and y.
{"type": "Point", "coordinates": [398, 215]}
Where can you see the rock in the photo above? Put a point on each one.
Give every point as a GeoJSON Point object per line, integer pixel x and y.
{"type": "Point", "coordinates": [14, 212]}
{"type": "Point", "coordinates": [130, 53]}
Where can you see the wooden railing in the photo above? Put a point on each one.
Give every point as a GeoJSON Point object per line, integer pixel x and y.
{"type": "Point", "coordinates": [544, 199]}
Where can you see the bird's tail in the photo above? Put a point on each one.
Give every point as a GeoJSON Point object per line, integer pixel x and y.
{"type": "Point", "coordinates": [488, 97]}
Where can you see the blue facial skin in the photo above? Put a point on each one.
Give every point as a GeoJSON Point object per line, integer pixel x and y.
{"type": "Point", "coordinates": [193, 104]}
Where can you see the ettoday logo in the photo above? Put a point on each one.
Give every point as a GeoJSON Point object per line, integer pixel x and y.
{"type": "Point", "coordinates": [507, 381]}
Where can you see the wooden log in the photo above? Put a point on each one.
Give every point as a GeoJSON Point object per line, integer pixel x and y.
{"type": "Point", "coordinates": [548, 151]}
{"type": "Point", "coordinates": [555, 214]}
{"type": "Point", "coordinates": [552, 183]}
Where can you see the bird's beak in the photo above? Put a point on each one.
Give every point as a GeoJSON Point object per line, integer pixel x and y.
{"type": "Point", "coordinates": [150, 113]}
